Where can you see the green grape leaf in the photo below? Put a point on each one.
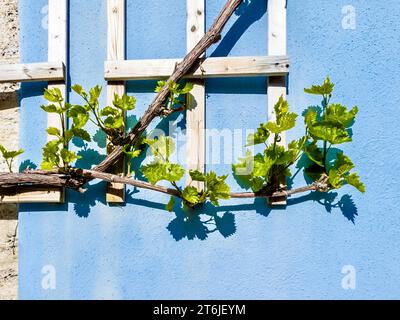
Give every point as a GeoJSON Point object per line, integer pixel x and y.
{"type": "Point", "coordinates": [286, 122]}
{"type": "Point", "coordinates": [2, 150]}
{"type": "Point", "coordinates": [51, 147]}
{"type": "Point", "coordinates": [314, 153]}
{"type": "Point", "coordinates": [79, 115]}
{"type": "Point", "coordinates": [162, 147]}
{"type": "Point", "coordinates": [109, 111]}
{"type": "Point", "coordinates": [133, 154]}
{"type": "Point", "coordinates": [81, 133]}
{"type": "Point", "coordinates": [262, 165]}
{"type": "Point", "coordinates": [160, 85]}
{"type": "Point", "coordinates": [257, 183]}
{"type": "Point", "coordinates": [158, 171]}
{"type": "Point", "coordinates": [245, 165]}
{"type": "Point", "coordinates": [174, 172]}
{"type": "Point", "coordinates": [79, 90]}
{"type": "Point", "coordinates": [329, 131]}
{"type": "Point", "coordinates": [68, 134]}
{"type": "Point", "coordinates": [95, 94]}
{"type": "Point", "coordinates": [51, 108]}
{"type": "Point", "coordinates": [68, 156]}
{"type": "Point", "coordinates": [125, 103]}
{"type": "Point", "coordinates": [10, 154]}
{"type": "Point", "coordinates": [354, 180]}
{"type": "Point", "coordinates": [258, 137]}
{"type": "Point", "coordinates": [216, 187]}
{"type": "Point", "coordinates": [196, 175]}
{"type": "Point", "coordinates": [325, 89]}
{"type": "Point", "coordinates": [53, 95]}
{"type": "Point", "coordinates": [45, 165]}
{"type": "Point", "coordinates": [191, 195]}
{"type": "Point", "coordinates": [170, 205]}
{"type": "Point", "coordinates": [340, 169]}
{"type": "Point", "coordinates": [53, 131]}
{"type": "Point", "coordinates": [114, 122]}
{"type": "Point", "coordinates": [339, 114]}
{"type": "Point", "coordinates": [312, 115]}
{"type": "Point", "coordinates": [243, 172]}
{"type": "Point", "coordinates": [281, 108]}
{"type": "Point", "coordinates": [186, 89]}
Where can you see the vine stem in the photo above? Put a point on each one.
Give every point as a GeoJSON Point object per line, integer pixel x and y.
{"type": "Point", "coordinates": [11, 182]}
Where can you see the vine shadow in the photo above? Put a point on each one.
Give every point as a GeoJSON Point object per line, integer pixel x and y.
{"type": "Point", "coordinates": [248, 13]}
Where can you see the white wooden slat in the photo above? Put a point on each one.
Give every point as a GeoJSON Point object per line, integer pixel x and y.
{"type": "Point", "coordinates": [30, 195]}
{"type": "Point", "coordinates": [57, 51]}
{"type": "Point", "coordinates": [210, 68]}
{"type": "Point", "coordinates": [276, 47]}
{"type": "Point", "coordinates": [116, 52]}
{"type": "Point", "coordinates": [57, 48]}
{"type": "Point", "coordinates": [195, 114]}
{"type": "Point", "coordinates": [45, 71]}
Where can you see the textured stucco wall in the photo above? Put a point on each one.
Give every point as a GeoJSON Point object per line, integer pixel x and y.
{"type": "Point", "coordinates": [91, 250]}
{"type": "Point", "coordinates": [9, 137]}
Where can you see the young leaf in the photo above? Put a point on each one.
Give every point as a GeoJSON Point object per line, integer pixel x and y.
{"type": "Point", "coordinates": [114, 122]}
{"type": "Point", "coordinates": [125, 103]}
{"type": "Point", "coordinates": [68, 156]}
{"type": "Point", "coordinates": [186, 89]}
{"type": "Point", "coordinates": [170, 205]}
{"type": "Point", "coordinates": [325, 89]}
{"type": "Point", "coordinates": [53, 131]}
{"type": "Point", "coordinates": [53, 95]}
{"type": "Point", "coordinates": [95, 94]}
{"type": "Point", "coordinates": [339, 114]}
{"type": "Point", "coordinates": [314, 153]}
{"type": "Point", "coordinates": [329, 131]}
{"type": "Point", "coordinates": [51, 108]}
{"type": "Point", "coordinates": [109, 111]}
{"type": "Point", "coordinates": [79, 115]}
{"type": "Point", "coordinates": [262, 165]}
{"type": "Point", "coordinates": [2, 150]}
{"type": "Point", "coordinates": [281, 108]}
{"type": "Point", "coordinates": [258, 137]}
{"type": "Point", "coordinates": [158, 171]}
{"type": "Point", "coordinates": [340, 171]}
{"type": "Point", "coordinates": [286, 122]}
{"type": "Point", "coordinates": [78, 89]}
{"type": "Point", "coordinates": [354, 180]}
{"type": "Point", "coordinates": [162, 147]}
{"type": "Point", "coordinates": [81, 133]}
{"type": "Point", "coordinates": [196, 175]}
{"type": "Point", "coordinates": [312, 115]}
{"type": "Point", "coordinates": [216, 188]}
{"type": "Point", "coordinates": [46, 165]}
{"type": "Point", "coordinates": [191, 195]}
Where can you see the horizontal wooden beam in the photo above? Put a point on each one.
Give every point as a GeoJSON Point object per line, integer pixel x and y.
{"type": "Point", "coordinates": [209, 68]}
{"type": "Point", "coordinates": [44, 71]}
{"type": "Point", "coordinates": [35, 195]}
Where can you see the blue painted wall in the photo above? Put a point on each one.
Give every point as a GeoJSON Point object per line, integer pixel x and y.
{"type": "Point", "coordinates": [140, 251]}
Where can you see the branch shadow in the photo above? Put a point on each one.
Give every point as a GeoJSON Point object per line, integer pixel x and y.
{"type": "Point", "coordinates": [249, 12]}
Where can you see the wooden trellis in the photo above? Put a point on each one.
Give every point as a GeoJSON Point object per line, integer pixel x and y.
{"type": "Point", "coordinates": [275, 66]}
{"type": "Point", "coordinates": [52, 71]}
{"type": "Point", "coordinates": [118, 70]}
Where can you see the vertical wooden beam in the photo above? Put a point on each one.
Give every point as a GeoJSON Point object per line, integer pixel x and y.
{"type": "Point", "coordinates": [116, 52]}
{"type": "Point", "coordinates": [195, 126]}
{"type": "Point", "coordinates": [276, 85]}
{"type": "Point", "coordinates": [57, 51]}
